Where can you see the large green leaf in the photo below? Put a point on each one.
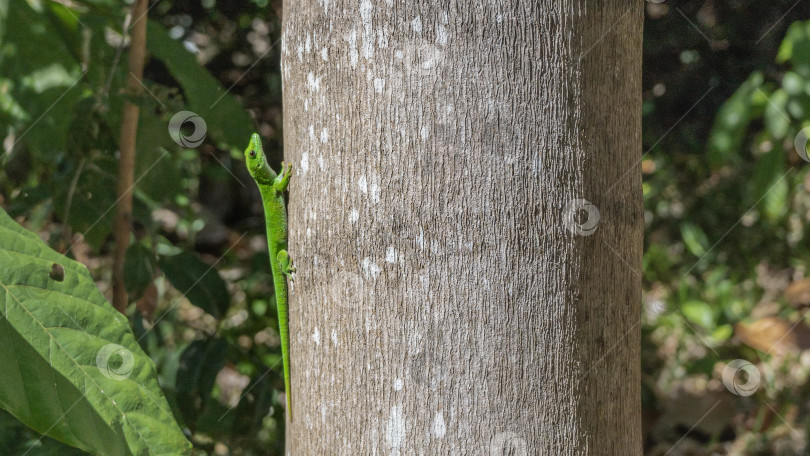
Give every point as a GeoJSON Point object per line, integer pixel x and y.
{"type": "Point", "coordinates": [199, 365]}
{"type": "Point", "coordinates": [698, 312]}
{"type": "Point", "coordinates": [47, 79]}
{"type": "Point", "coordinates": [71, 367]}
{"type": "Point", "coordinates": [729, 129]}
{"type": "Point", "coordinates": [796, 48]}
{"type": "Point", "coordinates": [198, 282]}
{"type": "Point", "coordinates": [138, 265]}
{"type": "Point", "coordinates": [228, 123]}
{"type": "Point", "coordinates": [93, 201]}
{"type": "Point", "coordinates": [3, 14]}
{"type": "Point", "coordinates": [770, 184]}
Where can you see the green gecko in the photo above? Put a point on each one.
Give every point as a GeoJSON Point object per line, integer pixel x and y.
{"type": "Point", "coordinates": [272, 187]}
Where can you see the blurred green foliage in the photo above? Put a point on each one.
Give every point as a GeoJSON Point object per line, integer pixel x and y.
{"type": "Point", "coordinates": [726, 91]}
{"type": "Point", "coordinates": [63, 71]}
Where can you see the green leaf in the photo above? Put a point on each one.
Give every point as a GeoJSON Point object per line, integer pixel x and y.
{"type": "Point", "coordinates": [694, 238]}
{"type": "Point", "coordinates": [72, 368]}
{"type": "Point", "coordinates": [16, 438]}
{"type": "Point", "coordinates": [3, 14]}
{"type": "Point", "coordinates": [93, 201]}
{"type": "Point", "coordinates": [728, 132]}
{"type": "Point", "coordinates": [227, 122]}
{"type": "Point", "coordinates": [775, 204]}
{"type": "Point", "coordinates": [48, 79]}
{"type": "Point", "coordinates": [795, 48]}
{"type": "Point", "coordinates": [770, 185]}
{"type": "Point", "coordinates": [799, 106]}
{"type": "Point", "coordinates": [699, 313]}
{"type": "Point", "coordinates": [199, 365]}
{"type": "Point", "coordinates": [722, 333]}
{"type": "Point", "coordinates": [776, 119]}
{"type": "Point", "coordinates": [138, 269]}
{"type": "Point", "coordinates": [198, 281]}
{"type": "Point", "coordinates": [793, 83]}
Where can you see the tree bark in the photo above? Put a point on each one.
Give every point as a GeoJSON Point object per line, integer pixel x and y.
{"type": "Point", "coordinates": [466, 223]}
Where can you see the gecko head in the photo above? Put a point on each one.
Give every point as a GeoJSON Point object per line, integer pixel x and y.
{"type": "Point", "coordinates": [254, 156]}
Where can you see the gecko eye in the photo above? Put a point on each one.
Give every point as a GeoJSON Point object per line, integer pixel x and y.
{"type": "Point", "coordinates": [252, 154]}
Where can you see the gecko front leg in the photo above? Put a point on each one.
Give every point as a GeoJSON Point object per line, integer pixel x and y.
{"type": "Point", "coordinates": [285, 261]}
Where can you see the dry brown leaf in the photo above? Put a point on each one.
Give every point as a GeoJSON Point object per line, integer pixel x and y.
{"type": "Point", "coordinates": [148, 302]}
{"type": "Point", "coordinates": [798, 293]}
{"type": "Point", "coordinates": [773, 334]}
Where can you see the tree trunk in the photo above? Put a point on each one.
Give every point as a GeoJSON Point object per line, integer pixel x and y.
{"type": "Point", "coordinates": [466, 223]}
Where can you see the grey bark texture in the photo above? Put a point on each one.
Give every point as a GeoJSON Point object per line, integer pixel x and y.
{"type": "Point", "coordinates": [466, 223]}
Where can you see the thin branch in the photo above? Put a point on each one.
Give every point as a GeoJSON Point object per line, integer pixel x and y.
{"type": "Point", "coordinates": [126, 165]}
{"type": "Point", "coordinates": [66, 232]}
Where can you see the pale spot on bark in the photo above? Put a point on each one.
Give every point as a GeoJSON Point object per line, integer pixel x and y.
{"type": "Point", "coordinates": [398, 384]}
{"type": "Point", "coordinates": [324, 136]}
{"type": "Point", "coordinates": [316, 336]}
{"type": "Point", "coordinates": [354, 215]}
{"type": "Point", "coordinates": [325, 54]}
{"type": "Point", "coordinates": [370, 269]}
{"type": "Point", "coordinates": [438, 427]}
{"type": "Point", "coordinates": [441, 35]}
{"type": "Point", "coordinates": [305, 162]}
{"type": "Point", "coordinates": [321, 165]}
{"type": "Point", "coordinates": [424, 132]}
{"type": "Point", "coordinates": [375, 189]}
{"type": "Point", "coordinates": [391, 254]}
{"type": "Point", "coordinates": [363, 184]}
{"type": "Point", "coordinates": [352, 39]}
{"type": "Point", "coordinates": [395, 430]}
{"type": "Point", "coordinates": [308, 44]}
{"type": "Point", "coordinates": [379, 85]}
{"type": "Point", "coordinates": [313, 83]}
{"type": "Point", "coordinates": [366, 9]}
{"type": "Point", "coordinates": [284, 48]}
{"type": "Point", "coordinates": [416, 24]}
{"type": "Point", "coordinates": [334, 337]}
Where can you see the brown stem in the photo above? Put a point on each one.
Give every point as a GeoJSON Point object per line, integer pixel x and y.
{"type": "Point", "coordinates": [126, 165]}
{"type": "Point", "coordinates": [66, 232]}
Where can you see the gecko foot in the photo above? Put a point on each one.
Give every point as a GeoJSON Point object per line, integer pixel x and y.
{"type": "Point", "coordinates": [286, 263]}
{"type": "Point", "coordinates": [283, 179]}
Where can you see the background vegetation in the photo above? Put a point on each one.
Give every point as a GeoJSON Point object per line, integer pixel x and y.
{"type": "Point", "coordinates": [726, 91]}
